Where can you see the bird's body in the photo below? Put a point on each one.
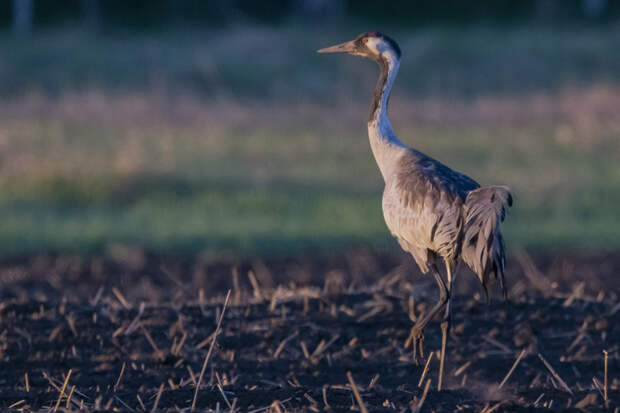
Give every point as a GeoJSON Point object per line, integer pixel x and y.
{"type": "Point", "coordinates": [423, 208]}
{"type": "Point", "coordinates": [435, 213]}
{"type": "Point", "coordinates": [428, 208]}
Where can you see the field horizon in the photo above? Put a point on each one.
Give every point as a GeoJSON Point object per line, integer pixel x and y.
{"type": "Point", "coordinates": [169, 142]}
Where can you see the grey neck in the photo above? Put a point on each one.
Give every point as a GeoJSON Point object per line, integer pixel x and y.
{"type": "Point", "coordinates": [383, 141]}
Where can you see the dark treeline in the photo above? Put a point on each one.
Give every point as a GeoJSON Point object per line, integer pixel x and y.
{"type": "Point", "coordinates": [27, 15]}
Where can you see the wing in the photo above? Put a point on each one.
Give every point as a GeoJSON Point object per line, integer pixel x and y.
{"type": "Point", "coordinates": [431, 172]}
{"type": "Point", "coordinates": [423, 206]}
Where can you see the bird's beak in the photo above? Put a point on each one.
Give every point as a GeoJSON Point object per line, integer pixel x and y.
{"type": "Point", "coordinates": [346, 47]}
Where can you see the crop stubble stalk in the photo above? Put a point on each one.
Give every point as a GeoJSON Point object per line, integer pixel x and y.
{"type": "Point", "coordinates": [204, 365]}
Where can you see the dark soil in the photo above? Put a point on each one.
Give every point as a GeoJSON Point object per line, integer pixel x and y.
{"type": "Point", "coordinates": [293, 329]}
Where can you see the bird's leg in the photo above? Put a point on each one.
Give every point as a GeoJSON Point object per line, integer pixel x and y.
{"type": "Point", "coordinates": [416, 337]}
{"type": "Point", "coordinates": [445, 324]}
{"type": "Point", "coordinates": [451, 273]}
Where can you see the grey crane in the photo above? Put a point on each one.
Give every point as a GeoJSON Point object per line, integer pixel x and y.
{"type": "Point", "coordinates": [435, 213]}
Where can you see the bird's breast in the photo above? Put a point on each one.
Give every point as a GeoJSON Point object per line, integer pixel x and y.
{"type": "Point", "coordinates": [402, 217]}
{"type": "Point", "coordinates": [417, 219]}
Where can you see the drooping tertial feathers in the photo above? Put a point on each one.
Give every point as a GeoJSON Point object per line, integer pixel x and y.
{"type": "Point", "coordinates": [483, 244]}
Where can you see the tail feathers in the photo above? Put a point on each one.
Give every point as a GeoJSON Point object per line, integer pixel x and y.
{"type": "Point", "coordinates": [483, 245]}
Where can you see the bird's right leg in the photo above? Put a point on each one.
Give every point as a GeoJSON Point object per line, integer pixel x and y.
{"type": "Point", "coordinates": [445, 324]}
{"type": "Point", "coordinates": [416, 336]}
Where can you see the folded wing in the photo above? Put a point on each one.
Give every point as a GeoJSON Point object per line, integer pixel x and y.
{"type": "Point", "coordinates": [483, 247]}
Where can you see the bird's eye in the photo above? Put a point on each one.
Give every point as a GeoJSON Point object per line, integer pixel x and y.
{"type": "Point", "coordinates": [365, 40]}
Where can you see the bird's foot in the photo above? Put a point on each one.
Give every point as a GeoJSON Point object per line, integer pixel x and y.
{"type": "Point", "coordinates": [416, 340]}
{"type": "Point", "coordinates": [444, 337]}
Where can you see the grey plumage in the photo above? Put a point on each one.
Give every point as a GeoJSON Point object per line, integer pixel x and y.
{"type": "Point", "coordinates": [483, 245]}
{"type": "Point", "coordinates": [435, 213]}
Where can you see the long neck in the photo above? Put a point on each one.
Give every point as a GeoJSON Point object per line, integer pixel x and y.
{"type": "Point", "coordinates": [383, 141]}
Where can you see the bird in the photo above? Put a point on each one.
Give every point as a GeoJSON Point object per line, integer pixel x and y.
{"type": "Point", "coordinates": [436, 214]}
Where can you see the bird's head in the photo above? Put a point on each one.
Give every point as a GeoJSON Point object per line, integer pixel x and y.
{"type": "Point", "coordinates": [373, 45]}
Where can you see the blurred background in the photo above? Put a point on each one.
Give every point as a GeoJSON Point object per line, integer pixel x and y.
{"type": "Point", "coordinates": [183, 126]}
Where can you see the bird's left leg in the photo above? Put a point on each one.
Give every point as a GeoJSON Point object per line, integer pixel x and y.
{"type": "Point", "coordinates": [445, 324]}
{"type": "Point", "coordinates": [416, 337]}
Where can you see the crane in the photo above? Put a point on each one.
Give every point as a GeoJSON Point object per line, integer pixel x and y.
{"type": "Point", "coordinates": [435, 213]}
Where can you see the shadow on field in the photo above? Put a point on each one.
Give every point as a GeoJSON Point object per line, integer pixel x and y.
{"type": "Point", "coordinates": [131, 331]}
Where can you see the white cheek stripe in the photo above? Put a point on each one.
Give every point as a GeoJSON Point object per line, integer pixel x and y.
{"type": "Point", "coordinates": [373, 44]}
{"type": "Point", "coordinates": [389, 57]}
{"type": "Point", "coordinates": [380, 47]}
